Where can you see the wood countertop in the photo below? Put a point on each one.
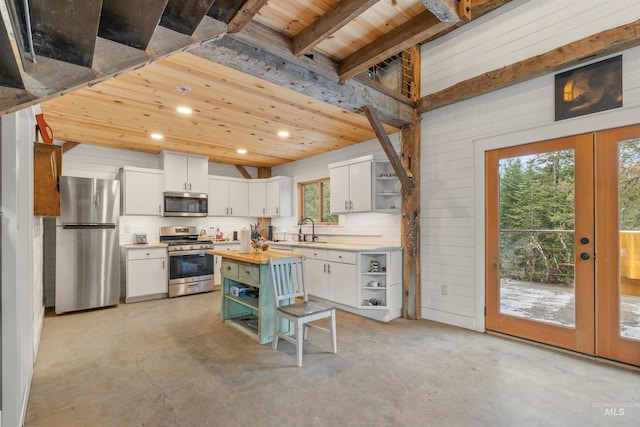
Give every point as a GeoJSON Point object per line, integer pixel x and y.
{"type": "Point", "coordinates": [259, 258]}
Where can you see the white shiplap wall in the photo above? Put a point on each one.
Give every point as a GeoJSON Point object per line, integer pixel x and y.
{"type": "Point", "coordinates": [455, 137]}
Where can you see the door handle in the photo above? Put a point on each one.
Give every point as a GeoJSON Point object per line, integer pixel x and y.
{"type": "Point", "coordinates": [584, 240]}
{"type": "Point", "coordinates": [584, 256]}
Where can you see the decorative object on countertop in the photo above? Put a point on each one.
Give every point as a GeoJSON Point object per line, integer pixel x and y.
{"type": "Point", "coordinates": [140, 239]}
{"type": "Point", "coordinates": [373, 266]}
{"type": "Point", "coordinates": [259, 244]}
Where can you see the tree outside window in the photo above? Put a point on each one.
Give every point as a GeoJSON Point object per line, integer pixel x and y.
{"type": "Point", "coordinates": [314, 197]}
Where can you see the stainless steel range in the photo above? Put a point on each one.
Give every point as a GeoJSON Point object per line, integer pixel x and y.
{"type": "Point", "coordinates": [190, 266]}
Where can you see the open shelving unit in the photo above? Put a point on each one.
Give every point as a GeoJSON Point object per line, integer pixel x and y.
{"type": "Point", "coordinates": [386, 188]}
{"type": "Point", "coordinates": [380, 283]}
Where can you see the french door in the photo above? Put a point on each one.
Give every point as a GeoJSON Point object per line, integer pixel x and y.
{"type": "Point", "coordinates": [563, 243]}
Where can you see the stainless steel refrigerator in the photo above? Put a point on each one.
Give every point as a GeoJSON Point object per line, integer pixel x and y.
{"type": "Point", "coordinates": [87, 244]}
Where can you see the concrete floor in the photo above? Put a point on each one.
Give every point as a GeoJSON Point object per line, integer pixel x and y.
{"type": "Point", "coordinates": [173, 363]}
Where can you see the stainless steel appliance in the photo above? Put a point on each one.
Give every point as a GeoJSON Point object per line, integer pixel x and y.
{"type": "Point", "coordinates": [190, 266]}
{"type": "Point", "coordinates": [87, 244]}
{"type": "Point", "coordinates": [185, 204]}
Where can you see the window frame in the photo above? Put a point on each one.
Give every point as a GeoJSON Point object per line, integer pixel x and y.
{"type": "Point", "coordinates": [301, 186]}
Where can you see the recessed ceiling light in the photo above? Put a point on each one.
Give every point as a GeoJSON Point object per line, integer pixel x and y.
{"type": "Point", "coordinates": [156, 136]}
{"type": "Point", "coordinates": [283, 133]}
{"type": "Point", "coordinates": [242, 151]}
{"type": "Point", "coordinates": [184, 110]}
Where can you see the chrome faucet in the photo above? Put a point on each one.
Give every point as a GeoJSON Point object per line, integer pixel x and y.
{"type": "Point", "coordinates": [313, 227]}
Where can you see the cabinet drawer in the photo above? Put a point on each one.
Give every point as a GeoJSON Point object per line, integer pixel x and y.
{"type": "Point", "coordinates": [249, 274]}
{"type": "Point", "coordinates": [313, 253]}
{"type": "Point", "coordinates": [343, 256]}
{"type": "Point", "coordinates": [146, 253]}
{"type": "Point", "coordinates": [229, 269]}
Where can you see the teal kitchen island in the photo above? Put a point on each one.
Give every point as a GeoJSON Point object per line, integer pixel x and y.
{"type": "Point", "coordinates": [247, 293]}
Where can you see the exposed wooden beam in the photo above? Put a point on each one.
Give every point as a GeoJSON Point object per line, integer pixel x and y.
{"type": "Point", "coordinates": [67, 146]}
{"type": "Point", "coordinates": [334, 19]}
{"type": "Point", "coordinates": [49, 78]}
{"type": "Point", "coordinates": [405, 181]}
{"type": "Point", "coordinates": [598, 45]}
{"type": "Point", "coordinates": [244, 15]}
{"type": "Point", "coordinates": [351, 96]}
{"type": "Point", "coordinates": [245, 173]}
{"type": "Point", "coordinates": [464, 10]}
{"type": "Point", "coordinates": [395, 41]}
{"type": "Point", "coordinates": [10, 62]}
{"type": "Point", "coordinates": [274, 43]}
{"type": "Point", "coordinates": [477, 8]}
{"type": "Point", "coordinates": [444, 10]}
{"type": "Point", "coordinates": [482, 7]}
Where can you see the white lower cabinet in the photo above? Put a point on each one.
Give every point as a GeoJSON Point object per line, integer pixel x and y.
{"type": "Point", "coordinates": [331, 275]}
{"type": "Point", "coordinates": [365, 283]}
{"type": "Point", "coordinates": [146, 275]}
{"type": "Point", "coordinates": [217, 263]}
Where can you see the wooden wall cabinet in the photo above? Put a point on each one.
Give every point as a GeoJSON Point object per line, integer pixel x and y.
{"type": "Point", "coordinates": [47, 168]}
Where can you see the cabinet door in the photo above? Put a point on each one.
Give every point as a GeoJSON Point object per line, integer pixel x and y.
{"type": "Point", "coordinates": [342, 283]}
{"type": "Point", "coordinates": [217, 275]}
{"type": "Point", "coordinates": [218, 197]}
{"type": "Point", "coordinates": [359, 187]}
{"type": "Point", "coordinates": [339, 195]}
{"type": "Point", "coordinates": [175, 172]}
{"type": "Point", "coordinates": [316, 278]}
{"type": "Point", "coordinates": [257, 198]}
{"type": "Point", "coordinates": [238, 198]}
{"type": "Point", "coordinates": [273, 198]}
{"type": "Point", "coordinates": [146, 277]}
{"type": "Point", "coordinates": [197, 174]}
{"type": "Point", "coordinates": [143, 193]}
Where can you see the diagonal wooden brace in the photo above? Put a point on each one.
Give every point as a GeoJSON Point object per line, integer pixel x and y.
{"type": "Point", "coordinates": [405, 181]}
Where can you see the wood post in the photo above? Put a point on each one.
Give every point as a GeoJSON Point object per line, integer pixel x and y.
{"type": "Point", "coordinates": [264, 223]}
{"type": "Point", "coordinates": [410, 226]}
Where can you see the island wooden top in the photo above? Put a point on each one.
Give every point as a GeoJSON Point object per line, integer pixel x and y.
{"type": "Point", "coordinates": [259, 258]}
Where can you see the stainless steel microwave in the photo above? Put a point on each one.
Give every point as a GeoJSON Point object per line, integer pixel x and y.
{"type": "Point", "coordinates": [185, 204]}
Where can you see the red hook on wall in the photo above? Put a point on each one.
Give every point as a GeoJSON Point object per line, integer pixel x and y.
{"type": "Point", "coordinates": [44, 129]}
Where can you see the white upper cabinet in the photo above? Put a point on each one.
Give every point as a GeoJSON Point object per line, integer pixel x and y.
{"type": "Point", "coordinates": [350, 186]}
{"type": "Point", "coordinates": [238, 198]}
{"type": "Point", "coordinates": [218, 197]}
{"type": "Point", "coordinates": [185, 172]}
{"type": "Point", "coordinates": [257, 198]}
{"type": "Point", "coordinates": [271, 197]}
{"type": "Point", "coordinates": [364, 185]}
{"type": "Point", "coordinates": [228, 197]}
{"type": "Point", "coordinates": [279, 196]}
{"type": "Point", "coordinates": [141, 191]}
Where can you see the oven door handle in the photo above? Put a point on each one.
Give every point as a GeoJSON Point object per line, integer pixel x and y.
{"type": "Point", "coordinates": [196, 252]}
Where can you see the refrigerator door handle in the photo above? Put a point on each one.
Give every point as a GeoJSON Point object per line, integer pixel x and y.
{"type": "Point", "coordinates": [88, 226]}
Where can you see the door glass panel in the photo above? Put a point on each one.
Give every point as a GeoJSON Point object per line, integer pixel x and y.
{"type": "Point", "coordinates": [537, 220]}
{"type": "Point", "coordinates": [629, 208]}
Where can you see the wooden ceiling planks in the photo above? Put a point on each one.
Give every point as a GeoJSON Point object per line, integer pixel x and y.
{"type": "Point", "coordinates": [231, 110]}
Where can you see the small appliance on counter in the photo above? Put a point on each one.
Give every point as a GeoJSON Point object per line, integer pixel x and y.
{"type": "Point", "coordinates": [140, 239]}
